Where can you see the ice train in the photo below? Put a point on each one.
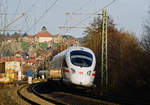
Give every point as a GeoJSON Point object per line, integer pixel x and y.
{"type": "Point", "coordinates": [77, 66]}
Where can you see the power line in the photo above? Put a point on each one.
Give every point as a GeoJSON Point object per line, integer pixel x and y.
{"type": "Point", "coordinates": [17, 7]}
{"type": "Point", "coordinates": [42, 15]}
{"type": "Point", "coordinates": [5, 16]}
{"type": "Point", "coordinates": [101, 9]}
{"type": "Point", "coordinates": [80, 8]}
{"type": "Point", "coordinates": [64, 27]}
{"type": "Point", "coordinates": [98, 11]}
{"type": "Point", "coordinates": [105, 6]}
{"type": "Point", "coordinates": [68, 14]}
{"type": "Point", "coordinates": [84, 14]}
{"type": "Point", "coordinates": [33, 5]}
{"type": "Point", "coordinates": [25, 23]}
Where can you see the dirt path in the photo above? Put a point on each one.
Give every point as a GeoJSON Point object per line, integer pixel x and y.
{"type": "Point", "coordinates": [8, 96]}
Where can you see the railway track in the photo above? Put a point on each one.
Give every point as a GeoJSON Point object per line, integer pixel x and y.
{"type": "Point", "coordinates": [23, 97]}
{"type": "Point", "coordinates": [110, 99]}
{"type": "Point", "coordinates": [49, 99]}
{"type": "Point", "coordinates": [39, 100]}
{"type": "Point", "coordinates": [54, 93]}
{"type": "Point", "coordinates": [63, 93]}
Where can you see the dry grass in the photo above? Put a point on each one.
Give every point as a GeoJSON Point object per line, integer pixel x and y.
{"type": "Point", "coordinates": [8, 96]}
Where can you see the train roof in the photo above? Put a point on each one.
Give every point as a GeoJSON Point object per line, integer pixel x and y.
{"type": "Point", "coordinates": [79, 48]}
{"type": "Point", "coordinates": [72, 48]}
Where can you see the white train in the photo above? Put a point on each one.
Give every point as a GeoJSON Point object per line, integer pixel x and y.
{"type": "Point", "coordinates": [77, 65]}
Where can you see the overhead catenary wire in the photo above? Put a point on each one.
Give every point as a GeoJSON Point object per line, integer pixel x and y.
{"type": "Point", "coordinates": [96, 12]}
{"type": "Point", "coordinates": [68, 14]}
{"type": "Point", "coordinates": [3, 8]}
{"type": "Point", "coordinates": [82, 6]}
{"type": "Point", "coordinates": [78, 9]}
{"type": "Point", "coordinates": [66, 30]}
{"type": "Point", "coordinates": [32, 6]}
{"type": "Point", "coordinates": [15, 13]}
{"type": "Point", "coordinates": [1, 17]}
{"type": "Point", "coordinates": [105, 6]}
{"type": "Point", "coordinates": [5, 16]}
{"type": "Point", "coordinates": [17, 7]}
{"type": "Point", "coordinates": [27, 11]}
{"type": "Point", "coordinates": [42, 15]}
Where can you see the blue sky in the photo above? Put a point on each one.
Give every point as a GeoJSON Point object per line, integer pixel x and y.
{"type": "Point", "coordinates": [127, 14]}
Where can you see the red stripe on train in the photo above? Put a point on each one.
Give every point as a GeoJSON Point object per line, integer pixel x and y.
{"type": "Point", "coordinates": [66, 71]}
{"type": "Point", "coordinates": [93, 74]}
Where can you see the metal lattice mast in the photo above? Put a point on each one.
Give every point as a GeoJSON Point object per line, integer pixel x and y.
{"type": "Point", "coordinates": [104, 62]}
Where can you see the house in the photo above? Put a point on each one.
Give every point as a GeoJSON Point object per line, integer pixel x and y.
{"type": "Point", "coordinates": [10, 39]}
{"type": "Point", "coordinates": [19, 38]}
{"type": "Point", "coordinates": [27, 38]}
{"type": "Point", "coordinates": [44, 35]}
{"type": "Point", "coordinates": [31, 38]}
{"type": "Point", "coordinates": [12, 66]}
{"type": "Point", "coordinates": [73, 43]}
{"type": "Point", "coordinates": [57, 38]}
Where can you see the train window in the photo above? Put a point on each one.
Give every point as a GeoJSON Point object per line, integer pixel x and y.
{"type": "Point", "coordinates": [81, 58]}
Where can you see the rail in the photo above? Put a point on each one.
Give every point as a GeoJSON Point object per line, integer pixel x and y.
{"type": "Point", "coordinates": [45, 98]}
{"type": "Point", "coordinates": [23, 97]}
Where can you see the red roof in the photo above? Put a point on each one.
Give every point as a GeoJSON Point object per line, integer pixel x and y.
{"type": "Point", "coordinates": [44, 34]}
{"type": "Point", "coordinates": [12, 58]}
{"type": "Point", "coordinates": [31, 61]}
{"type": "Point", "coordinates": [10, 39]}
{"type": "Point", "coordinates": [2, 60]}
{"type": "Point", "coordinates": [19, 59]}
{"type": "Point", "coordinates": [19, 36]}
{"type": "Point", "coordinates": [30, 36]}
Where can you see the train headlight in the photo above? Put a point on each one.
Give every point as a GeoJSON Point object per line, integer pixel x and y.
{"type": "Point", "coordinates": [73, 70]}
{"type": "Point", "coordinates": [89, 73]}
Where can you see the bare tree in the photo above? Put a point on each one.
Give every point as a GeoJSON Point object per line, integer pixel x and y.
{"type": "Point", "coordinates": [145, 42]}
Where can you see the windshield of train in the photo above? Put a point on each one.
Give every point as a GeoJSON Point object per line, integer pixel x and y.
{"type": "Point", "coordinates": [81, 58]}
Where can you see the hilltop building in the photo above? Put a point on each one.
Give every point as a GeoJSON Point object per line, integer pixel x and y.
{"type": "Point", "coordinates": [44, 35]}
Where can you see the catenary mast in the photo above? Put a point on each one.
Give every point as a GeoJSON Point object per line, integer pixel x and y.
{"type": "Point", "coordinates": [104, 56]}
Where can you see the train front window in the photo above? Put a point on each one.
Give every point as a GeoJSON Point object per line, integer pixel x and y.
{"type": "Point", "coordinates": [81, 58]}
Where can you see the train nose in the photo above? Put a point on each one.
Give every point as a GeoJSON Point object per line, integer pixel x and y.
{"type": "Point", "coordinates": [81, 79]}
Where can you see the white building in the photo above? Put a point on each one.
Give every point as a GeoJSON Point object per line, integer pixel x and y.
{"type": "Point", "coordinates": [44, 36]}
